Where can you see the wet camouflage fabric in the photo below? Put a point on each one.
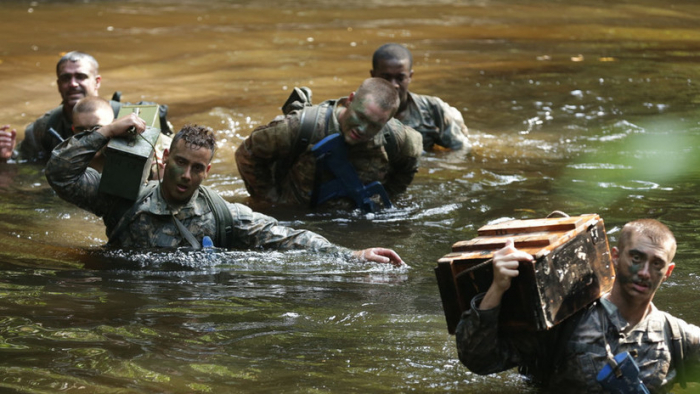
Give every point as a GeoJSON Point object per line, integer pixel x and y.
{"type": "Point", "coordinates": [38, 142]}
{"type": "Point", "coordinates": [267, 145]}
{"type": "Point", "coordinates": [151, 224]}
{"type": "Point", "coordinates": [483, 351]}
{"type": "Point", "coordinates": [438, 123]}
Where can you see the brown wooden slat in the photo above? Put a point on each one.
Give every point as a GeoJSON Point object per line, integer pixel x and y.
{"type": "Point", "coordinates": [535, 225]}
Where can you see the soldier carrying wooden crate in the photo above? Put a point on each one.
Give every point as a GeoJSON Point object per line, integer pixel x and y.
{"type": "Point", "coordinates": [619, 343]}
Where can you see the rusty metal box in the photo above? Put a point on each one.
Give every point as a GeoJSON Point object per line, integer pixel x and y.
{"type": "Point", "coordinates": [128, 159]}
{"type": "Point", "coordinates": [572, 268]}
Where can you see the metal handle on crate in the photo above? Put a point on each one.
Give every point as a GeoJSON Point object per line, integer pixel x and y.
{"type": "Point", "coordinates": [474, 268]}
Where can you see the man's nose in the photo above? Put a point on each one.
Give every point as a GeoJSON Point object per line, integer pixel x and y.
{"type": "Point", "coordinates": [644, 271]}
{"type": "Point", "coordinates": [186, 174]}
{"type": "Point", "coordinates": [395, 82]}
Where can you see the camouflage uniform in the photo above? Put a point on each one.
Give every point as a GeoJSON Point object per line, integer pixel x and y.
{"type": "Point", "coordinates": [484, 351]}
{"type": "Point", "coordinates": [437, 122]}
{"type": "Point", "coordinates": [152, 224]}
{"type": "Point", "coordinates": [38, 142]}
{"type": "Point", "coordinates": [269, 145]}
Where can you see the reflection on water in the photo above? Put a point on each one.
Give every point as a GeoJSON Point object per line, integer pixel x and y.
{"type": "Point", "coordinates": [584, 107]}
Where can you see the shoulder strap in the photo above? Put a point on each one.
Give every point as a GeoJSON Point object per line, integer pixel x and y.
{"type": "Point", "coordinates": [307, 124]}
{"type": "Point", "coordinates": [116, 106]}
{"type": "Point", "coordinates": [52, 137]}
{"type": "Point", "coordinates": [224, 219]}
{"type": "Point", "coordinates": [124, 211]}
{"type": "Point", "coordinates": [391, 146]}
{"type": "Point", "coordinates": [677, 349]}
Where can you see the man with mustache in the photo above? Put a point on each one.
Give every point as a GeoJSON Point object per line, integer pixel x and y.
{"type": "Point", "coordinates": [364, 119]}
{"type": "Point", "coordinates": [77, 77]}
{"type": "Point", "coordinates": [569, 357]}
{"type": "Point", "coordinates": [178, 211]}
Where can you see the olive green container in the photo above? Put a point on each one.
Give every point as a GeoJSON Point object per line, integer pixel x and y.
{"type": "Point", "coordinates": [128, 159]}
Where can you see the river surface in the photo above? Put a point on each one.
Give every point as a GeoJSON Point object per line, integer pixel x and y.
{"type": "Point", "coordinates": [579, 106]}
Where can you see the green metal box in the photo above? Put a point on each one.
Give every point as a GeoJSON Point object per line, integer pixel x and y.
{"type": "Point", "coordinates": [128, 159]}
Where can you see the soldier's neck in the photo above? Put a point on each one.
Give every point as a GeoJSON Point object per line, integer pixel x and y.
{"type": "Point", "coordinates": [632, 312]}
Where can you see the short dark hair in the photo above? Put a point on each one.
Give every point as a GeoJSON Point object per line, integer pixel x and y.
{"type": "Point", "coordinates": [392, 51]}
{"type": "Point", "coordinates": [90, 104]}
{"type": "Point", "coordinates": [382, 91]}
{"type": "Point", "coordinates": [74, 56]}
{"type": "Point", "coordinates": [656, 231]}
{"type": "Point", "coordinates": [196, 137]}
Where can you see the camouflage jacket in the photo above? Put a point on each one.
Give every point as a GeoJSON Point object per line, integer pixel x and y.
{"type": "Point", "coordinates": [38, 142]}
{"type": "Point", "coordinates": [484, 351]}
{"type": "Point", "coordinates": [437, 122]}
{"type": "Point", "coordinates": [151, 224]}
{"type": "Point", "coordinates": [268, 145]}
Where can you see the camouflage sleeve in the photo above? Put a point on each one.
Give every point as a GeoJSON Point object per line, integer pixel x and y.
{"type": "Point", "coordinates": [68, 173]}
{"type": "Point", "coordinates": [30, 148]}
{"type": "Point", "coordinates": [404, 166]}
{"type": "Point", "coordinates": [256, 230]}
{"type": "Point", "coordinates": [258, 154]}
{"type": "Point", "coordinates": [691, 350]}
{"type": "Point", "coordinates": [478, 344]}
{"type": "Point", "coordinates": [454, 134]}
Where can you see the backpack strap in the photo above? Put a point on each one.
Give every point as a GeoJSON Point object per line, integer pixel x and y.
{"type": "Point", "coordinates": [391, 146]}
{"type": "Point", "coordinates": [307, 124]}
{"type": "Point", "coordinates": [224, 220]}
{"type": "Point", "coordinates": [125, 211]}
{"type": "Point", "coordinates": [52, 137]}
{"type": "Point", "coordinates": [677, 349]}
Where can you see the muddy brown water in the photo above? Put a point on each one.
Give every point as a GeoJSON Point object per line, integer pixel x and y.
{"type": "Point", "coordinates": [584, 107]}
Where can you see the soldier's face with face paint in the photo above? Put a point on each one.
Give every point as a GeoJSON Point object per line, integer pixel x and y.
{"type": "Point", "coordinates": [362, 119]}
{"type": "Point", "coordinates": [186, 166]}
{"type": "Point", "coordinates": [641, 266]}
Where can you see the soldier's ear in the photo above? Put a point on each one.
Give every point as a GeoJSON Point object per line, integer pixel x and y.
{"type": "Point", "coordinates": [350, 98]}
{"type": "Point", "coordinates": [669, 270]}
{"type": "Point", "coordinates": [166, 153]}
{"type": "Point", "coordinates": [615, 254]}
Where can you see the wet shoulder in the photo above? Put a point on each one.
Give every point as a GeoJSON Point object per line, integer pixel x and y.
{"type": "Point", "coordinates": [408, 140]}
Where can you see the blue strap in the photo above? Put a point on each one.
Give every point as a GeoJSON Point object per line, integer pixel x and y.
{"type": "Point", "coordinates": [332, 155]}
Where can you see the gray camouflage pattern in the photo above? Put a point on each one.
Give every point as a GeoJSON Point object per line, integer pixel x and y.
{"type": "Point", "coordinates": [484, 351]}
{"type": "Point", "coordinates": [438, 123]}
{"type": "Point", "coordinates": [38, 142]}
{"type": "Point", "coordinates": [151, 224]}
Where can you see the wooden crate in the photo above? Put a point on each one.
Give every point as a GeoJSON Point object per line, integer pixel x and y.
{"type": "Point", "coordinates": [572, 268]}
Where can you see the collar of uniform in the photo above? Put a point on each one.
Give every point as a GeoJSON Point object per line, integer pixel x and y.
{"type": "Point", "coordinates": [334, 125]}
{"type": "Point", "coordinates": [156, 204]}
{"type": "Point", "coordinates": [411, 109]}
{"type": "Point", "coordinates": [613, 314]}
